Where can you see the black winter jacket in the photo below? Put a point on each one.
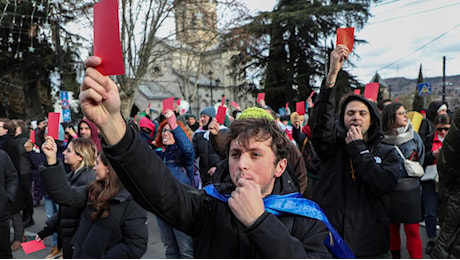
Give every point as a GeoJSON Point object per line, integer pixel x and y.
{"type": "Point", "coordinates": [8, 185]}
{"type": "Point", "coordinates": [208, 158]}
{"type": "Point", "coordinates": [448, 164]}
{"type": "Point", "coordinates": [357, 208]}
{"type": "Point", "coordinates": [122, 234]}
{"type": "Point", "coordinates": [215, 230]}
{"type": "Point", "coordinates": [68, 217]}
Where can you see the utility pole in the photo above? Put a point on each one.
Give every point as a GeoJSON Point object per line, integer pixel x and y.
{"type": "Point", "coordinates": [210, 84]}
{"type": "Point", "coordinates": [443, 78]}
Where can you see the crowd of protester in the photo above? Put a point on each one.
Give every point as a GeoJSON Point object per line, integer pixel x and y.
{"type": "Point", "coordinates": [332, 182]}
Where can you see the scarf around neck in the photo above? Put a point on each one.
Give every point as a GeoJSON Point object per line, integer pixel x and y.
{"type": "Point", "coordinates": [404, 134]}
{"type": "Point", "coordinates": [295, 203]}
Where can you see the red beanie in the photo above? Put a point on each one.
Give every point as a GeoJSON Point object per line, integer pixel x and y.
{"type": "Point", "coordinates": [145, 122]}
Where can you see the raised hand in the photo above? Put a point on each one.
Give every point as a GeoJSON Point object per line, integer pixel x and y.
{"type": "Point", "coordinates": [338, 57]}
{"type": "Point", "coordinates": [29, 146]}
{"type": "Point", "coordinates": [171, 118]}
{"type": "Point", "coordinates": [214, 127]}
{"type": "Point", "coordinates": [49, 148]}
{"type": "Point", "coordinates": [100, 102]}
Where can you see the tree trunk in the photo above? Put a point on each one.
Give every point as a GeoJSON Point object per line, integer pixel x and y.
{"type": "Point", "coordinates": [127, 95]}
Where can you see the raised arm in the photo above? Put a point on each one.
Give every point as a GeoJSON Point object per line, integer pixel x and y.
{"type": "Point", "coordinates": [323, 120]}
{"type": "Point", "coordinates": [100, 102]}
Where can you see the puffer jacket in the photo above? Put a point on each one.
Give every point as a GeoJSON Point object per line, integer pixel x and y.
{"type": "Point", "coordinates": [69, 217]}
{"type": "Point", "coordinates": [179, 157]}
{"type": "Point", "coordinates": [354, 178]}
{"type": "Point", "coordinates": [448, 164]}
{"type": "Point", "coordinates": [122, 234]}
{"type": "Point", "coordinates": [216, 232]}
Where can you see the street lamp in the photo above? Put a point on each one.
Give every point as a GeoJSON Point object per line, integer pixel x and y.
{"type": "Point", "coordinates": [210, 83]}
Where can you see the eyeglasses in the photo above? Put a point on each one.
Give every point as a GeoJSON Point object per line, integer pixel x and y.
{"type": "Point", "coordinates": [439, 129]}
{"type": "Point", "coordinates": [164, 130]}
{"type": "Point", "coordinates": [403, 113]}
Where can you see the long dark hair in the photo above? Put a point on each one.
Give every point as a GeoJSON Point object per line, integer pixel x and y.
{"type": "Point", "coordinates": [389, 118]}
{"type": "Point", "coordinates": [100, 192]}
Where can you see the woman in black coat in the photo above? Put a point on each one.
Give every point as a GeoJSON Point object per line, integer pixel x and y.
{"type": "Point", "coordinates": [81, 155]}
{"type": "Point", "coordinates": [112, 224]}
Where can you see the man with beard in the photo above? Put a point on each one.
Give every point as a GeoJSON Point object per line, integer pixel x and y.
{"type": "Point", "coordinates": [356, 170]}
{"type": "Point", "coordinates": [203, 147]}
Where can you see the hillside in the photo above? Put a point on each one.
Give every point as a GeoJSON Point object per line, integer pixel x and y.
{"type": "Point", "coordinates": [402, 86]}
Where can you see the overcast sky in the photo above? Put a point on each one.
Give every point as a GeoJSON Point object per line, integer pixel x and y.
{"type": "Point", "coordinates": [401, 35]}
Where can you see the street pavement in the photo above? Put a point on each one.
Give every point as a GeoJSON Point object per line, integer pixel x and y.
{"type": "Point", "coordinates": [155, 249]}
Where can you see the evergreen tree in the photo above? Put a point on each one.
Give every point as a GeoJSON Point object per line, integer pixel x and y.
{"type": "Point", "coordinates": [295, 54]}
{"type": "Point", "coordinates": [30, 52]}
{"type": "Point", "coordinates": [418, 105]}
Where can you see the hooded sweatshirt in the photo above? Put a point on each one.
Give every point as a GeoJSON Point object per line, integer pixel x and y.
{"type": "Point", "coordinates": [94, 132]}
{"type": "Point", "coordinates": [354, 178]}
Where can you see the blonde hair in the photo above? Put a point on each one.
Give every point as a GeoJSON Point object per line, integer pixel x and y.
{"type": "Point", "coordinates": [86, 148]}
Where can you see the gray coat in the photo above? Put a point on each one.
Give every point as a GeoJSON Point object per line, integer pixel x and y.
{"type": "Point", "coordinates": [406, 198]}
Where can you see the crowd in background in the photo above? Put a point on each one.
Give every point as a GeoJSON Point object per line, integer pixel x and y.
{"type": "Point", "coordinates": [349, 159]}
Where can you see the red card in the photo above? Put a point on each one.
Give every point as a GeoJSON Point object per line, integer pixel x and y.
{"type": "Point", "coordinates": [32, 136]}
{"type": "Point", "coordinates": [357, 91]}
{"type": "Point", "coordinates": [287, 106]}
{"type": "Point", "coordinates": [223, 101]}
{"type": "Point", "coordinates": [397, 99]}
{"type": "Point", "coordinates": [300, 108]}
{"type": "Point", "coordinates": [371, 91]}
{"type": "Point", "coordinates": [32, 246]}
{"type": "Point", "coordinates": [260, 96]}
{"type": "Point", "coordinates": [235, 105]}
{"type": "Point", "coordinates": [346, 36]}
{"type": "Point", "coordinates": [148, 107]}
{"type": "Point", "coordinates": [53, 125]}
{"type": "Point", "coordinates": [107, 44]}
{"type": "Point", "coordinates": [220, 116]}
{"type": "Point", "coordinates": [311, 94]}
{"type": "Point", "coordinates": [178, 102]}
{"type": "Point", "coordinates": [168, 104]}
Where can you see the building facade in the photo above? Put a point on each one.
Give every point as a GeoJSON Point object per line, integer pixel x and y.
{"type": "Point", "coordinates": [194, 66]}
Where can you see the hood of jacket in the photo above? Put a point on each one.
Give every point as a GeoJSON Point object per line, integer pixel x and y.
{"type": "Point", "coordinates": [374, 133]}
{"type": "Point", "coordinates": [94, 132]}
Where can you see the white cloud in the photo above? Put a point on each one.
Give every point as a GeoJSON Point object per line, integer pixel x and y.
{"type": "Point", "coordinates": [403, 34]}
{"type": "Point", "coordinates": [395, 32]}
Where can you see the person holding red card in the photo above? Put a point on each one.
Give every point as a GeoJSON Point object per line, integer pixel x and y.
{"type": "Point", "coordinates": [110, 224]}
{"type": "Point", "coordinates": [357, 171]}
{"type": "Point", "coordinates": [204, 152]}
{"type": "Point", "coordinates": [22, 210]}
{"type": "Point", "coordinates": [236, 224]}
{"type": "Point", "coordinates": [176, 150]}
{"type": "Point", "coordinates": [81, 155]}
